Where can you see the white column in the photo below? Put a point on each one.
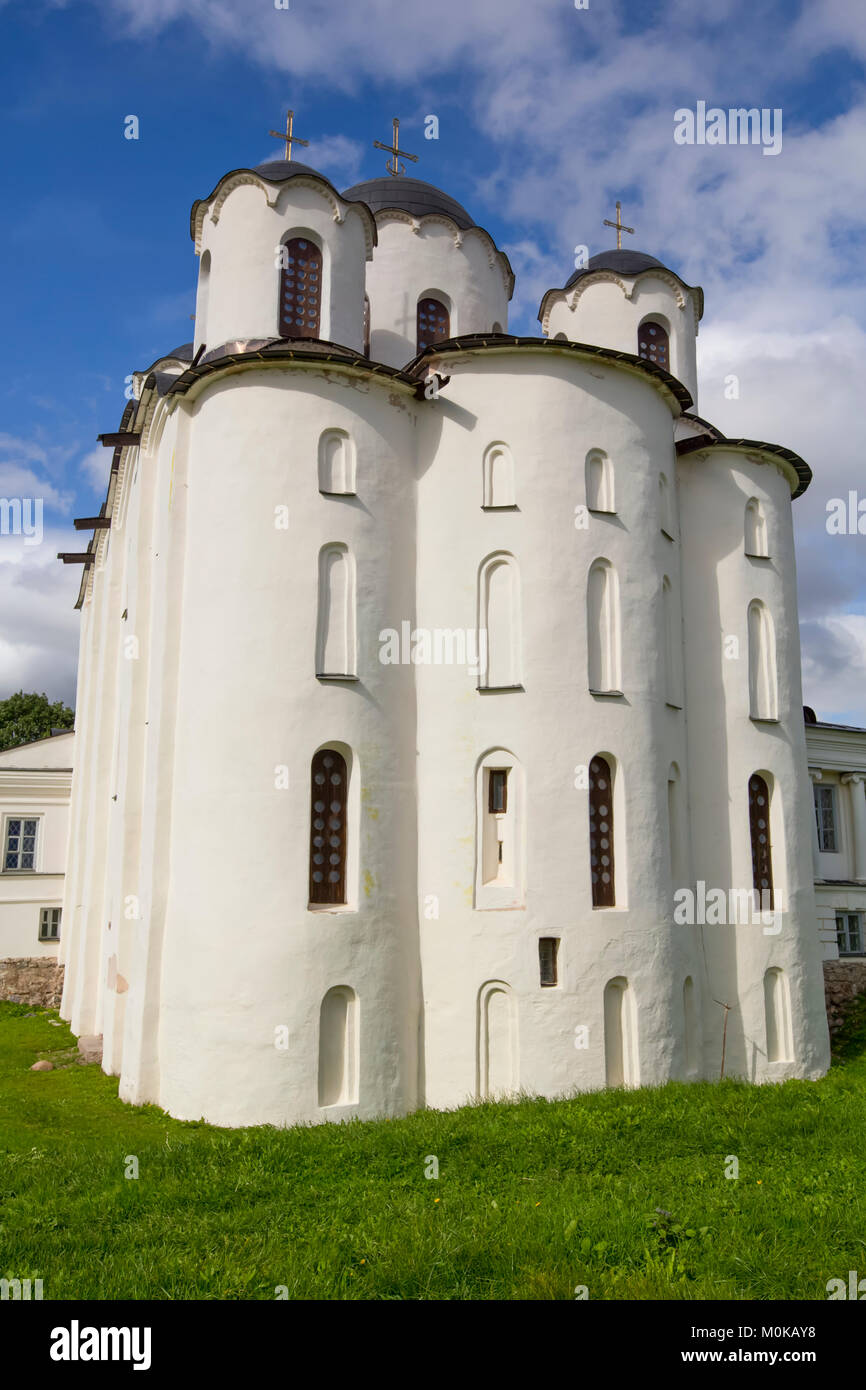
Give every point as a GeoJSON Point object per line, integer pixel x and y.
{"type": "Point", "coordinates": [855, 781]}
{"type": "Point", "coordinates": [816, 775]}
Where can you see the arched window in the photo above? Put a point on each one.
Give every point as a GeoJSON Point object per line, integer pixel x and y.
{"type": "Point", "coordinates": [652, 343]}
{"type": "Point", "coordinates": [328, 810]}
{"type": "Point", "coordinates": [777, 1010]}
{"type": "Point", "coordinates": [599, 481]}
{"type": "Point", "coordinates": [499, 624]}
{"type": "Point", "coordinates": [620, 1049]}
{"type": "Point", "coordinates": [335, 630]}
{"type": "Point", "coordinates": [497, 1058]}
{"type": "Point", "coordinates": [300, 289]}
{"type": "Point", "coordinates": [759, 830]}
{"type": "Point", "coordinates": [763, 692]}
{"type": "Point", "coordinates": [434, 322]}
{"type": "Point", "coordinates": [336, 463]}
{"type": "Point", "coordinates": [602, 628]}
{"type": "Point", "coordinates": [756, 530]}
{"type": "Point", "coordinates": [601, 833]}
{"type": "Point", "coordinates": [338, 1047]}
{"type": "Point", "coordinates": [497, 328]}
{"type": "Point", "coordinates": [366, 325]}
{"type": "Point", "coordinates": [498, 471]}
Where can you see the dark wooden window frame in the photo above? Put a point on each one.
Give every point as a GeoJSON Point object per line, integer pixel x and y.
{"type": "Point", "coordinates": [328, 831]}
{"type": "Point", "coordinates": [301, 289]}
{"type": "Point", "coordinates": [653, 344]}
{"type": "Point", "coordinates": [432, 322]}
{"type": "Point", "coordinates": [601, 829]}
{"type": "Point", "coordinates": [497, 791]}
{"type": "Point", "coordinates": [548, 961]}
{"type": "Point", "coordinates": [759, 833]}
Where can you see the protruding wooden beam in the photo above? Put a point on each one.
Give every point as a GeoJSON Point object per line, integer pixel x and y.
{"type": "Point", "coordinates": [123, 439]}
{"type": "Point", "coordinates": [76, 557]}
{"type": "Point", "coordinates": [92, 523]}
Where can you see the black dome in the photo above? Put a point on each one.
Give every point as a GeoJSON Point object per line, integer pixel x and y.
{"type": "Point", "coordinates": [278, 169]}
{"type": "Point", "coordinates": [626, 262]}
{"type": "Point", "coordinates": [412, 195]}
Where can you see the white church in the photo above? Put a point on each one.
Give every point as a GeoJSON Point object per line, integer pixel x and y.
{"type": "Point", "coordinates": [426, 672]}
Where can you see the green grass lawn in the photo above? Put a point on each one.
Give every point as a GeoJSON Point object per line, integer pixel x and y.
{"type": "Point", "coordinates": [532, 1199]}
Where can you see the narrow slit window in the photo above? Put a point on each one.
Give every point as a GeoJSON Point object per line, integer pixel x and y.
{"type": "Point", "coordinates": [328, 807]}
{"type": "Point", "coordinates": [759, 827]}
{"type": "Point", "coordinates": [548, 952]}
{"type": "Point", "coordinates": [601, 833]}
{"type": "Point", "coordinates": [498, 791]}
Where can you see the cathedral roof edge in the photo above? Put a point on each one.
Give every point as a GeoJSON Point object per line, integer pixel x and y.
{"type": "Point", "coordinates": [255, 176]}
{"type": "Point", "coordinates": [800, 474]}
{"type": "Point", "coordinates": [105, 509]}
{"type": "Point", "coordinates": [499, 342]}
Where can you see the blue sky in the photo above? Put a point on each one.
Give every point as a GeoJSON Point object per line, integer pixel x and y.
{"type": "Point", "coordinates": [547, 116]}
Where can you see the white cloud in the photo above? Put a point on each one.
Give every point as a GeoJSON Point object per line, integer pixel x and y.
{"type": "Point", "coordinates": [96, 467]}
{"type": "Point", "coordinates": [38, 623]}
{"type": "Point", "coordinates": [834, 667]}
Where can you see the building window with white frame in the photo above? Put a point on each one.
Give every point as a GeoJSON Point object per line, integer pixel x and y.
{"type": "Point", "coordinates": [849, 933]}
{"type": "Point", "coordinates": [49, 923]}
{"type": "Point", "coordinates": [825, 814]}
{"type": "Point", "coordinates": [19, 844]}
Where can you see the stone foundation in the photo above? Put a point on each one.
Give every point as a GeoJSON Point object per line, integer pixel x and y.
{"type": "Point", "coordinates": [843, 981]}
{"type": "Point", "coordinates": [32, 980]}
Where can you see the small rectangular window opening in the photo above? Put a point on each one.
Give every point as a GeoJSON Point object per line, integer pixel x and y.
{"type": "Point", "coordinates": [548, 951]}
{"type": "Point", "coordinates": [49, 924]}
{"type": "Point", "coordinates": [498, 791]}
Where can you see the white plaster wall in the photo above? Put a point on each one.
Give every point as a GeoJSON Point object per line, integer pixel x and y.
{"type": "Point", "coordinates": [84, 901]}
{"type": "Point", "coordinates": [431, 257]}
{"type": "Point", "coordinates": [133, 528]}
{"type": "Point", "coordinates": [607, 317]}
{"type": "Point", "coordinates": [68, 954]}
{"type": "Point", "coordinates": [549, 414]}
{"type": "Point", "coordinates": [226, 949]}
{"type": "Point", "coordinates": [244, 242]}
{"type": "Point", "coordinates": [35, 781]}
{"type": "Point", "coordinates": [726, 746]}
{"type": "Point", "coordinates": [19, 916]}
{"type": "Point", "coordinates": [141, 1051]}
{"type": "Point", "coordinates": [242, 954]}
{"type": "Point", "coordinates": [830, 900]}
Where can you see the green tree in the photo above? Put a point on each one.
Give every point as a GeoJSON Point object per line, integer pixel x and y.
{"type": "Point", "coordinates": [25, 718]}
